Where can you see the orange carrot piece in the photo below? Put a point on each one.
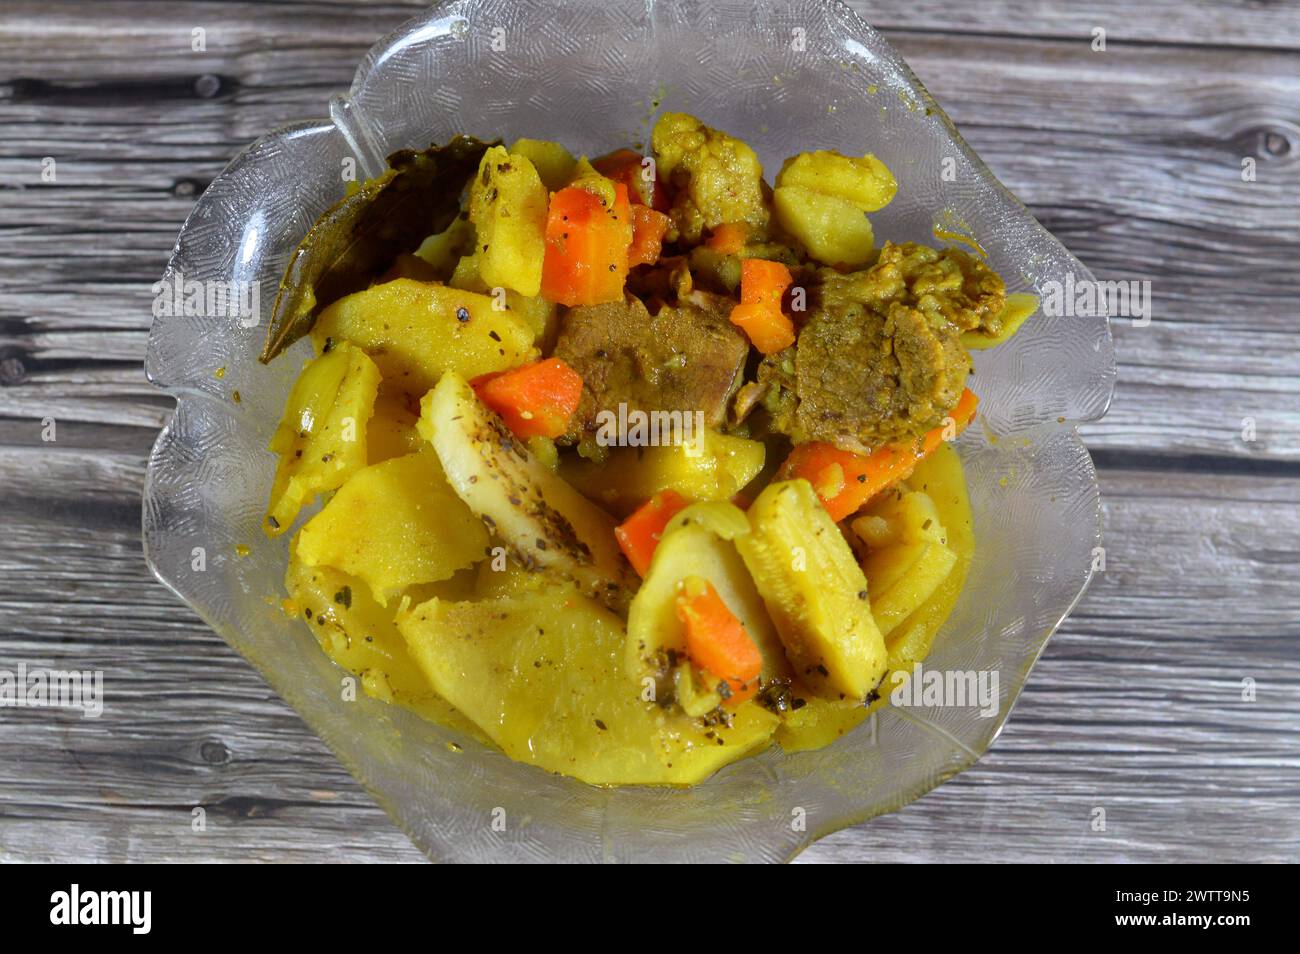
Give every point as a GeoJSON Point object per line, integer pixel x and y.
{"type": "Point", "coordinates": [648, 230]}
{"type": "Point", "coordinates": [717, 641]}
{"type": "Point", "coordinates": [845, 481]}
{"type": "Point", "coordinates": [729, 238]}
{"type": "Point", "coordinates": [587, 245]}
{"type": "Point", "coordinates": [759, 314]}
{"type": "Point", "coordinates": [535, 400]}
{"type": "Point", "coordinates": [768, 329]}
{"type": "Point", "coordinates": [763, 282]}
{"type": "Point", "coordinates": [639, 534]}
{"type": "Point", "coordinates": [629, 167]}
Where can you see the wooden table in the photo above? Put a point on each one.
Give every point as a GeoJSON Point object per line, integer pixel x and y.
{"type": "Point", "coordinates": [1132, 156]}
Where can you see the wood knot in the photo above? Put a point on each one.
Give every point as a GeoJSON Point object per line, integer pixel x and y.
{"type": "Point", "coordinates": [207, 86]}
{"type": "Point", "coordinates": [214, 753]}
{"type": "Point", "coordinates": [12, 370]}
{"type": "Point", "coordinates": [1276, 141]}
{"type": "Point", "coordinates": [185, 188]}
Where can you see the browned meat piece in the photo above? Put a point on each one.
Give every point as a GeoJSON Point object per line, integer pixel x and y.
{"type": "Point", "coordinates": [687, 357]}
{"type": "Point", "coordinates": [879, 359]}
{"type": "Point", "coordinates": [945, 284]}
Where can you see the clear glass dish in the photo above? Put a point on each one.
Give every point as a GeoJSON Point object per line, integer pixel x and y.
{"type": "Point", "coordinates": [786, 76]}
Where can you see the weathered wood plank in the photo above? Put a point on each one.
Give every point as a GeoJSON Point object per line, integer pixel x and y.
{"type": "Point", "coordinates": [1155, 22]}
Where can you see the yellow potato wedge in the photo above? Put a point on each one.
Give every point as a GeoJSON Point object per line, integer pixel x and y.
{"type": "Point", "coordinates": [393, 525]}
{"type": "Point", "coordinates": [416, 331]}
{"type": "Point", "coordinates": [321, 439]}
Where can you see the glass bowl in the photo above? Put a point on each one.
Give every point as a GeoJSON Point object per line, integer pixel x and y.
{"type": "Point", "coordinates": [785, 76]}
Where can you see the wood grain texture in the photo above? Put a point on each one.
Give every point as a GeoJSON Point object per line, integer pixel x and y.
{"type": "Point", "coordinates": [1132, 157]}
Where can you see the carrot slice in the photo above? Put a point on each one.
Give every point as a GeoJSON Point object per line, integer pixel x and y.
{"type": "Point", "coordinates": [717, 641]}
{"type": "Point", "coordinates": [729, 238]}
{"type": "Point", "coordinates": [639, 534]}
{"type": "Point", "coordinates": [648, 230]}
{"type": "Point", "coordinates": [535, 400]}
{"type": "Point", "coordinates": [767, 329]}
{"type": "Point", "coordinates": [763, 282]}
{"type": "Point", "coordinates": [845, 481]}
{"type": "Point", "coordinates": [587, 245]}
{"type": "Point", "coordinates": [759, 314]}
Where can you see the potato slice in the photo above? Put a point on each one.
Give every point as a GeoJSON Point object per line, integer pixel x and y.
{"type": "Point", "coordinates": [698, 542]}
{"type": "Point", "coordinates": [321, 439]}
{"type": "Point", "coordinates": [940, 476]}
{"type": "Point", "coordinates": [929, 568]}
{"type": "Point", "coordinates": [536, 312]}
{"type": "Point", "coordinates": [909, 519]}
{"type": "Point", "coordinates": [392, 430]}
{"type": "Point", "coordinates": [541, 674]}
{"type": "Point", "coordinates": [554, 163]}
{"type": "Point", "coordinates": [718, 177]}
{"type": "Point", "coordinates": [508, 206]}
{"type": "Point", "coordinates": [819, 722]}
{"type": "Point", "coordinates": [834, 230]}
{"type": "Point", "coordinates": [441, 252]}
{"type": "Point", "coordinates": [814, 591]}
{"type": "Point", "coordinates": [416, 331]}
{"type": "Point", "coordinates": [904, 572]}
{"type": "Point", "coordinates": [361, 637]}
{"type": "Point", "coordinates": [863, 181]}
{"type": "Point", "coordinates": [717, 469]}
{"type": "Point", "coordinates": [394, 525]}
{"type": "Point", "coordinates": [541, 519]}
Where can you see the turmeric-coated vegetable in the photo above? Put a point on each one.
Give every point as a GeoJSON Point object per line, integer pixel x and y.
{"type": "Point", "coordinates": [648, 230]}
{"type": "Point", "coordinates": [717, 641]}
{"type": "Point", "coordinates": [535, 400]}
{"type": "Point", "coordinates": [588, 240]}
{"type": "Point", "coordinates": [759, 314]}
{"type": "Point", "coordinates": [844, 481]}
{"type": "Point", "coordinates": [639, 534]}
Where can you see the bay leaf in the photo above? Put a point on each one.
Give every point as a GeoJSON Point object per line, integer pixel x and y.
{"type": "Point", "coordinates": [355, 240]}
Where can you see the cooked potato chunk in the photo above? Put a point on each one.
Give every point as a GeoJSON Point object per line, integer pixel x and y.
{"type": "Point", "coordinates": [360, 636]}
{"type": "Point", "coordinates": [814, 591]}
{"type": "Point", "coordinates": [508, 206]}
{"type": "Point", "coordinates": [863, 181]}
{"type": "Point", "coordinates": [541, 674]}
{"type": "Point", "coordinates": [538, 313]}
{"type": "Point", "coordinates": [819, 722]}
{"type": "Point", "coordinates": [321, 439]}
{"type": "Point", "coordinates": [904, 569]}
{"type": "Point", "coordinates": [698, 542]}
{"type": "Point", "coordinates": [928, 565]}
{"type": "Point", "coordinates": [834, 230]}
{"type": "Point", "coordinates": [717, 468]}
{"type": "Point", "coordinates": [441, 252]}
{"type": "Point", "coordinates": [822, 198]}
{"type": "Point", "coordinates": [540, 518]}
{"type": "Point", "coordinates": [940, 476]}
{"type": "Point", "coordinates": [719, 178]}
{"type": "Point", "coordinates": [415, 331]}
{"type": "Point", "coordinates": [392, 430]}
{"type": "Point", "coordinates": [393, 525]}
{"type": "Point", "coordinates": [554, 163]}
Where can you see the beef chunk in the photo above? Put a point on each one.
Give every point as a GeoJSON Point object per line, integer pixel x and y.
{"type": "Point", "coordinates": [943, 284]}
{"type": "Point", "coordinates": [687, 357]}
{"type": "Point", "coordinates": [879, 359]}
